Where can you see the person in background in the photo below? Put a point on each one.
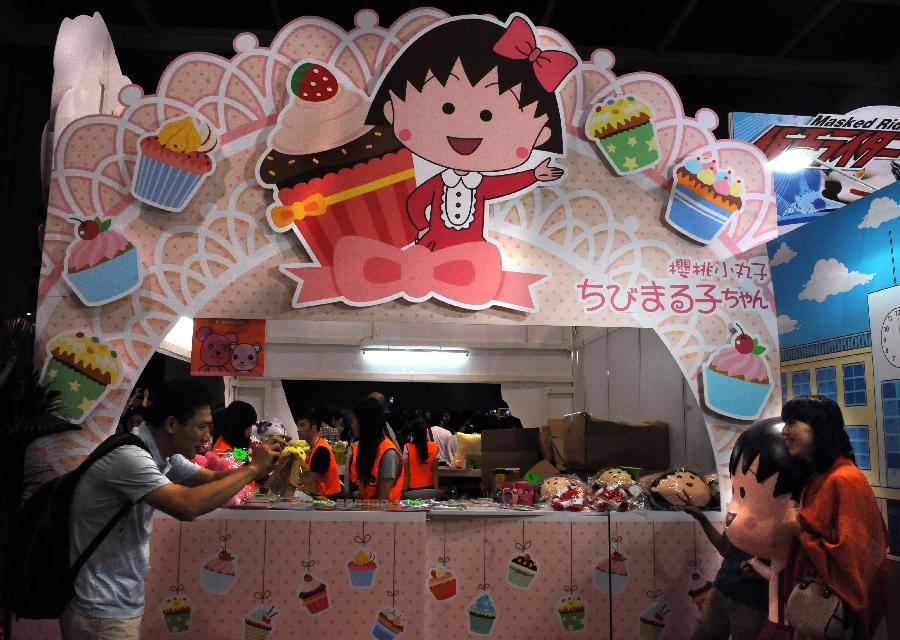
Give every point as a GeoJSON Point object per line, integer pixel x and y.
{"type": "Point", "coordinates": [445, 441]}
{"type": "Point", "coordinates": [231, 426]}
{"type": "Point", "coordinates": [377, 460]}
{"type": "Point", "coordinates": [385, 407]}
{"type": "Point", "coordinates": [320, 459]}
{"type": "Point", "coordinates": [420, 458]}
{"type": "Point", "coordinates": [346, 431]}
{"type": "Point", "coordinates": [330, 422]}
{"type": "Point", "coordinates": [135, 411]}
{"type": "Point", "coordinates": [506, 419]}
{"type": "Point", "coordinates": [109, 589]}
{"type": "Point", "coordinates": [839, 530]}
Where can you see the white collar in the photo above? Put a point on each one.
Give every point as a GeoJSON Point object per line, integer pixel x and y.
{"type": "Point", "coordinates": [471, 180]}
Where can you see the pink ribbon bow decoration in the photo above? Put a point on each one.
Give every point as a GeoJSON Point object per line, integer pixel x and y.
{"type": "Point", "coordinates": [519, 43]}
{"type": "Point", "coordinates": [367, 272]}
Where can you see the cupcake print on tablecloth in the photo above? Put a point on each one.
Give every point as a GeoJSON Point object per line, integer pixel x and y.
{"type": "Point", "coordinates": [333, 174]}
{"type": "Point", "coordinates": [521, 571]}
{"type": "Point", "coordinates": [177, 614]}
{"type": "Point", "coordinates": [361, 568]}
{"type": "Point", "coordinates": [173, 163]}
{"type": "Point", "coordinates": [218, 574]}
{"type": "Point", "coordinates": [623, 129]}
{"type": "Point", "coordinates": [389, 624]}
{"type": "Point", "coordinates": [314, 594]}
{"type": "Point", "coordinates": [703, 199]}
{"type": "Point", "coordinates": [101, 265]}
{"type": "Point", "coordinates": [572, 611]}
{"type": "Point", "coordinates": [442, 583]}
{"type": "Point", "coordinates": [611, 574]}
{"type": "Point", "coordinates": [482, 615]}
{"type": "Point", "coordinates": [82, 368]}
{"type": "Point", "coordinates": [737, 380]}
{"type": "Point", "coordinates": [652, 621]}
{"type": "Point", "coordinates": [258, 624]}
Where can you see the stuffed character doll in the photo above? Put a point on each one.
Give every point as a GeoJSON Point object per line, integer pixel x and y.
{"type": "Point", "coordinates": [765, 487]}
{"type": "Point", "coordinates": [611, 475]}
{"type": "Point", "coordinates": [667, 490]}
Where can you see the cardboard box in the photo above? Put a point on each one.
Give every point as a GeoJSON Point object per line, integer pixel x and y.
{"type": "Point", "coordinates": [592, 444]}
{"type": "Point", "coordinates": [544, 470]}
{"type": "Point", "coordinates": [557, 428]}
{"type": "Point", "coordinates": [510, 440]}
{"type": "Point", "coordinates": [508, 448]}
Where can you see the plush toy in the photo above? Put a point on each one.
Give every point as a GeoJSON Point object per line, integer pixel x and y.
{"type": "Point", "coordinates": [555, 485]}
{"type": "Point", "coordinates": [765, 484]}
{"type": "Point", "coordinates": [668, 489]}
{"type": "Point", "coordinates": [611, 475]}
{"type": "Point", "coordinates": [215, 462]}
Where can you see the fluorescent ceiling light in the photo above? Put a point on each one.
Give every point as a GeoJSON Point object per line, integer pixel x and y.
{"type": "Point", "coordinates": [179, 339]}
{"type": "Point", "coordinates": [414, 349]}
{"type": "Point", "coordinates": [414, 358]}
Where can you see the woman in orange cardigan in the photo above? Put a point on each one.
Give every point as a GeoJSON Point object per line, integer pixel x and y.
{"type": "Point", "coordinates": [839, 531]}
{"type": "Point", "coordinates": [420, 458]}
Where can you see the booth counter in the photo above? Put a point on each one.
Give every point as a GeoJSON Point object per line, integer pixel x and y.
{"type": "Point", "coordinates": [592, 575]}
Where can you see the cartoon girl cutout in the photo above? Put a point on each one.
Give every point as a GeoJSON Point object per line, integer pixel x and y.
{"type": "Point", "coordinates": [765, 487]}
{"type": "Point", "coordinates": [473, 96]}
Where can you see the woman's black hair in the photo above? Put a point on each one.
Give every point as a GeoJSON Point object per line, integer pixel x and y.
{"type": "Point", "coordinates": [232, 422]}
{"type": "Point", "coordinates": [418, 431]}
{"type": "Point", "coordinates": [469, 40]}
{"type": "Point", "coordinates": [370, 416]}
{"type": "Point", "coordinates": [830, 438]}
{"type": "Point", "coordinates": [763, 440]}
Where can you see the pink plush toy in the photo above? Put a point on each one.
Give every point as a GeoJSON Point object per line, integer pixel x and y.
{"type": "Point", "coordinates": [215, 462]}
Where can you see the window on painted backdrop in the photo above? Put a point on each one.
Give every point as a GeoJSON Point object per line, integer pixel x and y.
{"type": "Point", "coordinates": [800, 383]}
{"type": "Point", "coordinates": [826, 382]}
{"type": "Point", "coordinates": [890, 412]}
{"type": "Point", "coordinates": [784, 396]}
{"type": "Point", "coordinates": [859, 439]}
{"type": "Point", "coordinates": [854, 384]}
{"type": "Point", "coordinates": [893, 509]}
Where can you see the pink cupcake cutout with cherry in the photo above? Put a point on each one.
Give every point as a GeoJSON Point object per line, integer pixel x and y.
{"type": "Point", "coordinates": [219, 573]}
{"type": "Point", "coordinates": [101, 264]}
{"type": "Point", "coordinates": [737, 380]}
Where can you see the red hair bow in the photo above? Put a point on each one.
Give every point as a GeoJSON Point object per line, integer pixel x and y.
{"type": "Point", "coordinates": [519, 43]}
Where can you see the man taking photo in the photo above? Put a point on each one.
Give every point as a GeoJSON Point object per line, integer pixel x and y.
{"type": "Point", "coordinates": [109, 588]}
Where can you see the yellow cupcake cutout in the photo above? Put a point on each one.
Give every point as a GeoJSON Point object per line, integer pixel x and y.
{"type": "Point", "coordinates": [183, 136]}
{"type": "Point", "coordinates": [362, 557]}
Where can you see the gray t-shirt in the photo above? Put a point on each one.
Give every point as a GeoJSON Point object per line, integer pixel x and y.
{"type": "Point", "coordinates": [389, 467]}
{"type": "Point", "coordinates": [111, 583]}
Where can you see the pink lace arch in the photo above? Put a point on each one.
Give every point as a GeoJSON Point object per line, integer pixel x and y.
{"type": "Point", "coordinates": [192, 256]}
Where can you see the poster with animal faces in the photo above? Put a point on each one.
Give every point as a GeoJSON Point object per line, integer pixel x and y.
{"type": "Point", "coordinates": [226, 347]}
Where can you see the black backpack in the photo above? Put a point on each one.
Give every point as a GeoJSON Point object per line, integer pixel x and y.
{"type": "Point", "coordinates": [41, 582]}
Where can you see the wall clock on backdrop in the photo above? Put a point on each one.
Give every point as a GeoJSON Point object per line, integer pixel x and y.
{"type": "Point", "coordinates": [890, 337]}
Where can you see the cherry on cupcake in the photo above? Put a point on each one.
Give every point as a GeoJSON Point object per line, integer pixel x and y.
{"type": "Point", "coordinates": [743, 343]}
{"type": "Point", "coordinates": [88, 230]}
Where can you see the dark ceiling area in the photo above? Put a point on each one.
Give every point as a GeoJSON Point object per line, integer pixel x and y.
{"type": "Point", "coordinates": [785, 56]}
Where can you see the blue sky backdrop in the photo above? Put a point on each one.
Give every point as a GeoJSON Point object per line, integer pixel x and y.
{"type": "Point", "coordinates": [823, 270]}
